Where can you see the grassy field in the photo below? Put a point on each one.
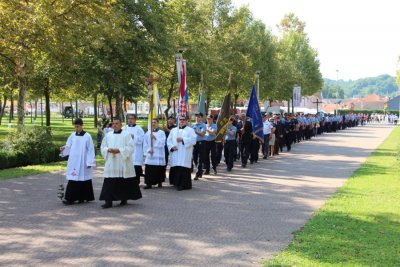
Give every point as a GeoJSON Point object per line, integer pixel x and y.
{"type": "Point", "coordinates": [360, 225]}
{"type": "Point", "coordinates": [60, 130]}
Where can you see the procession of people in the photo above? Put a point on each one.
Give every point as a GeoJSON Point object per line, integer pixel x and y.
{"type": "Point", "coordinates": [188, 149]}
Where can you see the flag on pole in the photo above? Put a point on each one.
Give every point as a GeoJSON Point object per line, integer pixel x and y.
{"type": "Point", "coordinates": [296, 96]}
{"type": "Point", "coordinates": [254, 113]}
{"type": "Point", "coordinates": [223, 118]}
{"type": "Point", "coordinates": [183, 90]}
{"type": "Point", "coordinates": [156, 105]}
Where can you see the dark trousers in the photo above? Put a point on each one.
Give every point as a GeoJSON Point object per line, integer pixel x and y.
{"type": "Point", "coordinates": [219, 147]}
{"type": "Point", "coordinates": [265, 145]}
{"type": "Point", "coordinates": [245, 153]}
{"type": "Point", "coordinates": [198, 156]}
{"type": "Point", "coordinates": [229, 153]}
{"type": "Point", "coordinates": [255, 147]}
{"type": "Point", "coordinates": [210, 149]}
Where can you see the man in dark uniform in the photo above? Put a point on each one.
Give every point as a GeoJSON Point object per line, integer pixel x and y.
{"type": "Point", "coordinates": [199, 149]}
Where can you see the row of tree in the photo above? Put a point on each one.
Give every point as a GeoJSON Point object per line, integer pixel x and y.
{"type": "Point", "coordinates": [86, 49]}
{"type": "Point", "coordinates": [383, 85]}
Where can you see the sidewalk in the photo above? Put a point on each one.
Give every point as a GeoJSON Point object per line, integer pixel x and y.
{"type": "Point", "coordinates": [229, 219]}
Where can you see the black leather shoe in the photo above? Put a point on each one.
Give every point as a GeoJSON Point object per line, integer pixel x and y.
{"type": "Point", "coordinates": [180, 188]}
{"type": "Point", "coordinates": [81, 201]}
{"type": "Point", "coordinates": [123, 202]}
{"type": "Point", "coordinates": [159, 184]}
{"type": "Point", "coordinates": [207, 172]}
{"type": "Point", "coordinates": [215, 170]}
{"type": "Point", "coordinates": [107, 205]}
{"type": "Point", "coordinates": [147, 187]}
{"type": "Point", "coordinates": [67, 202]}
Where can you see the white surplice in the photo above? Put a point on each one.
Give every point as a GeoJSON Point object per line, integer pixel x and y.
{"type": "Point", "coordinates": [183, 156]}
{"type": "Point", "coordinates": [81, 154]}
{"type": "Point", "coordinates": [137, 135]}
{"type": "Point", "coordinates": [118, 165]}
{"type": "Point", "coordinates": [158, 156]}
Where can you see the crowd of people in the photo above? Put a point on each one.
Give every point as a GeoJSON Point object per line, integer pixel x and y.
{"type": "Point", "coordinates": [185, 148]}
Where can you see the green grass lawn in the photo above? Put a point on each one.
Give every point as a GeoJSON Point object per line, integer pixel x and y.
{"type": "Point", "coordinates": [360, 224]}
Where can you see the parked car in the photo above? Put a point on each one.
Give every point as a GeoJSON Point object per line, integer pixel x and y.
{"type": "Point", "coordinates": [68, 112]}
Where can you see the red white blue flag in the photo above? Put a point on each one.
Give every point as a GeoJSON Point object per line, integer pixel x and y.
{"type": "Point", "coordinates": [183, 90]}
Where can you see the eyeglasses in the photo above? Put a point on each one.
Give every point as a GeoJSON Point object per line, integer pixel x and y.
{"type": "Point", "coordinates": [182, 119]}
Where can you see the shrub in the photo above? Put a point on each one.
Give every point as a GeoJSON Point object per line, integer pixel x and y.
{"type": "Point", "coordinates": [26, 146]}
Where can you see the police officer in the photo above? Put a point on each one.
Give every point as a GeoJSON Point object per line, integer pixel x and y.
{"type": "Point", "coordinates": [230, 144]}
{"type": "Point", "coordinates": [210, 146]}
{"type": "Point", "coordinates": [199, 149]}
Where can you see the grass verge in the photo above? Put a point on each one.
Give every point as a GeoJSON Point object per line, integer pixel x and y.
{"type": "Point", "coordinates": [39, 169]}
{"type": "Point", "coordinates": [360, 224]}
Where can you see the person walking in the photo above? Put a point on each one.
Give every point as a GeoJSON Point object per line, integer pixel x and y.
{"type": "Point", "coordinates": [153, 146]}
{"type": "Point", "coordinates": [230, 144]}
{"type": "Point", "coordinates": [180, 145]}
{"type": "Point", "coordinates": [137, 135]}
{"type": "Point", "coordinates": [210, 146]}
{"type": "Point", "coordinates": [80, 149]}
{"type": "Point", "coordinates": [199, 149]}
{"type": "Point", "coordinates": [119, 173]}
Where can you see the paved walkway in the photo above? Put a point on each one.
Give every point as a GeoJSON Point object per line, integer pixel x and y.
{"type": "Point", "coordinates": [231, 219]}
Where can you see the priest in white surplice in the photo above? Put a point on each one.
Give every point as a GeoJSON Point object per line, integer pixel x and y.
{"type": "Point", "coordinates": [119, 173]}
{"type": "Point", "coordinates": [180, 144]}
{"type": "Point", "coordinates": [154, 148]}
{"type": "Point", "coordinates": [80, 149]}
{"type": "Point", "coordinates": [137, 134]}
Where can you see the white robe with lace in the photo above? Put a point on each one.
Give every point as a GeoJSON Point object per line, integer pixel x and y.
{"type": "Point", "coordinates": [118, 165]}
{"type": "Point", "coordinates": [137, 135]}
{"type": "Point", "coordinates": [81, 159]}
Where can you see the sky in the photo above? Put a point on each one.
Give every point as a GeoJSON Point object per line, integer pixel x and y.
{"type": "Point", "coordinates": [354, 38]}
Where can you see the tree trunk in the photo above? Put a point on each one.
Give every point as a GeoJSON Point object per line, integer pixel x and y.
{"type": "Point", "coordinates": [11, 107]}
{"type": "Point", "coordinates": [20, 73]}
{"type": "Point", "coordinates": [135, 106]}
{"type": "Point", "coordinates": [109, 98]}
{"type": "Point", "coordinates": [95, 115]}
{"type": "Point", "coordinates": [47, 101]}
{"type": "Point", "coordinates": [3, 108]}
{"type": "Point", "coordinates": [36, 102]}
{"type": "Point", "coordinates": [118, 105]}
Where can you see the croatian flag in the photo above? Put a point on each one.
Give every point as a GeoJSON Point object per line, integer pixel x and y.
{"type": "Point", "coordinates": [183, 90]}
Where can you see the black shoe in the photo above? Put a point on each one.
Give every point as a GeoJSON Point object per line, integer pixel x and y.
{"type": "Point", "coordinates": [123, 202]}
{"type": "Point", "coordinates": [81, 201]}
{"type": "Point", "coordinates": [228, 169]}
{"type": "Point", "coordinates": [251, 162]}
{"type": "Point", "coordinates": [107, 205]}
{"type": "Point", "coordinates": [147, 187]}
{"type": "Point", "coordinates": [180, 188]}
{"type": "Point", "coordinates": [243, 165]}
{"type": "Point", "coordinates": [207, 172]}
{"type": "Point", "coordinates": [265, 157]}
{"type": "Point", "coordinates": [215, 170]}
{"type": "Point", "coordinates": [197, 176]}
{"type": "Point", "coordinates": [159, 184]}
{"type": "Point", "coordinates": [67, 202]}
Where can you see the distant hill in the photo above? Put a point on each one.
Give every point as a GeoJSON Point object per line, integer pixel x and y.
{"type": "Point", "coordinates": [383, 85]}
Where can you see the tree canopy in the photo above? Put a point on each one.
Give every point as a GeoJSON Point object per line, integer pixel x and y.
{"type": "Point", "coordinates": [85, 49]}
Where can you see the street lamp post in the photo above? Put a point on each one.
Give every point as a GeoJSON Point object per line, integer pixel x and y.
{"type": "Point", "coordinates": [258, 84]}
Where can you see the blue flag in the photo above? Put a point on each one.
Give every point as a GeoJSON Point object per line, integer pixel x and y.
{"type": "Point", "coordinates": [254, 114]}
